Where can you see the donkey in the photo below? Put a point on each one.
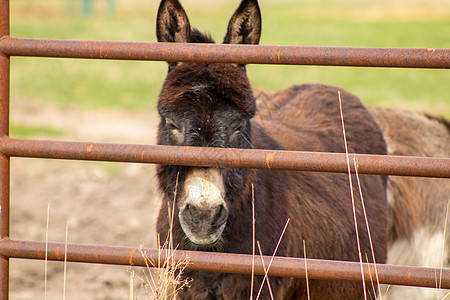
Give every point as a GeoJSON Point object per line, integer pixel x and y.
{"type": "Point", "coordinates": [213, 105]}
{"type": "Point", "coordinates": [417, 207]}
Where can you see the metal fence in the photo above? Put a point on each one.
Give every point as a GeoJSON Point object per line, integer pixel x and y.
{"type": "Point", "coordinates": [262, 159]}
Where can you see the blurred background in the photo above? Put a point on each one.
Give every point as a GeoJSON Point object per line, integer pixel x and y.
{"type": "Point", "coordinates": [114, 101]}
{"type": "Point", "coordinates": [134, 85]}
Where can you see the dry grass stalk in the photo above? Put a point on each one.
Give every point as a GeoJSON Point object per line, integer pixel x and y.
{"type": "Point", "coordinates": [368, 232]}
{"type": "Point", "coordinates": [163, 280]}
{"type": "Point", "coordinates": [443, 244]}
{"type": "Point", "coordinates": [265, 270]}
{"type": "Point", "coordinates": [352, 196]}
{"type": "Point", "coordinates": [65, 260]}
{"type": "Point", "coordinates": [253, 242]}
{"type": "Point", "coordinates": [306, 271]}
{"type": "Point", "coordinates": [271, 260]}
{"type": "Point", "coordinates": [446, 295]}
{"type": "Point", "coordinates": [371, 280]}
{"type": "Point", "coordinates": [132, 274]}
{"type": "Point", "coordinates": [46, 253]}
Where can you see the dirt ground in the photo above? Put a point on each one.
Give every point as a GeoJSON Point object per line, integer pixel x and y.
{"type": "Point", "coordinates": [103, 203]}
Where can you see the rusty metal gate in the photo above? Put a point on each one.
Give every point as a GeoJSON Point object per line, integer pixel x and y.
{"type": "Point", "coordinates": [262, 159]}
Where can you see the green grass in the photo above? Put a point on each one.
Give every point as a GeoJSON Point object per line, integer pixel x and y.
{"type": "Point", "coordinates": [133, 85]}
{"type": "Point", "coordinates": [27, 131]}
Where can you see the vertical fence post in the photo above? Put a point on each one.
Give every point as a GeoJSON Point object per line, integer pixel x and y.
{"type": "Point", "coordinates": [4, 160]}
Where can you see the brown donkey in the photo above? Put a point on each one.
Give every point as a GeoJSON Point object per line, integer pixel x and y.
{"type": "Point", "coordinates": [213, 105]}
{"type": "Point", "coordinates": [418, 234]}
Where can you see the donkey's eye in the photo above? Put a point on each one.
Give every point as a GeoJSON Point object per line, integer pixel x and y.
{"type": "Point", "coordinates": [171, 125]}
{"type": "Point", "coordinates": [239, 127]}
{"type": "Point", "coordinates": [175, 131]}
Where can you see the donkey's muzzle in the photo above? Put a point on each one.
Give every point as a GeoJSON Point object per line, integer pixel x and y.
{"type": "Point", "coordinates": [203, 211]}
{"type": "Point", "coordinates": [203, 226]}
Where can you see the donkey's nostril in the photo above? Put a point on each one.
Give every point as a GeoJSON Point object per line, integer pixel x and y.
{"type": "Point", "coordinates": [221, 216]}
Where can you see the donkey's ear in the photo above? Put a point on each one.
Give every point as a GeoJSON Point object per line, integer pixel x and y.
{"type": "Point", "coordinates": [245, 24]}
{"type": "Point", "coordinates": [172, 23]}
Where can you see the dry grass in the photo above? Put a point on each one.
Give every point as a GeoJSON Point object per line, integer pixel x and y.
{"type": "Point", "coordinates": [65, 260]}
{"type": "Point", "coordinates": [443, 245]}
{"type": "Point", "coordinates": [46, 253]}
{"type": "Point", "coordinates": [306, 271]}
{"type": "Point", "coordinates": [253, 242]}
{"type": "Point", "coordinates": [164, 279]}
{"type": "Point", "coordinates": [352, 196]}
{"type": "Point", "coordinates": [378, 292]}
{"type": "Point", "coordinates": [266, 271]}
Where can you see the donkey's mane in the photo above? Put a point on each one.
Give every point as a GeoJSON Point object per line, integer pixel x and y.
{"type": "Point", "coordinates": [197, 36]}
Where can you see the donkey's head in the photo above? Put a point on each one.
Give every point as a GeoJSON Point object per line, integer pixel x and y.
{"type": "Point", "coordinates": [209, 105]}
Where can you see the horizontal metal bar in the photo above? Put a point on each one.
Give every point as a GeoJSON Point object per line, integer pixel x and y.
{"type": "Point", "coordinates": [228, 158]}
{"type": "Point", "coordinates": [243, 54]}
{"type": "Point", "coordinates": [229, 263]}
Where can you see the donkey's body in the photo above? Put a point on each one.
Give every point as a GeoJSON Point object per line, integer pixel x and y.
{"type": "Point", "coordinates": [213, 105]}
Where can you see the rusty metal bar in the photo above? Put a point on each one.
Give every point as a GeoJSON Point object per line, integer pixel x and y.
{"type": "Point", "coordinates": [229, 263]}
{"type": "Point", "coordinates": [4, 160]}
{"type": "Point", "coordinates": [231, 158]}
{"type": "Point", "coordinates": [243, 54]}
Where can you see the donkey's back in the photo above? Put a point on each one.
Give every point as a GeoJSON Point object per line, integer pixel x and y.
{"type": "Point", "coordinates": [307, 117]}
